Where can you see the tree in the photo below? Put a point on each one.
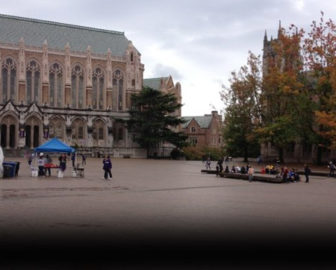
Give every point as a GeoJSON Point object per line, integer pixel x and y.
{"type": "Point", "coordinates": [152, 119]}
{"type": "Point", "coordinates": [320, 56]}
{"type": "Point", "coordinates": [283, 92]}
{"type": "Point", "coordinates": [242, 112]}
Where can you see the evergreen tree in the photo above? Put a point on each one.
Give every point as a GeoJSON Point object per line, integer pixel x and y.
{"type": "Point", "coordinates": [152, 119]}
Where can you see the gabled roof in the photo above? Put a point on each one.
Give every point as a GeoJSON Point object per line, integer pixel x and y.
{"type": "Point", "coordinates": [202, 121]}
{"type": "Point", "coordinates": [35, 32]}
{"type": "Point", "coordinates": [154, 83]}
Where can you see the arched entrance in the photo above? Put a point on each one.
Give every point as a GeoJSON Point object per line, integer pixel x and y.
{"type": "Point", "coordinates": [8, 132]}
{"type": "Point", "coordinates": [32, 130]}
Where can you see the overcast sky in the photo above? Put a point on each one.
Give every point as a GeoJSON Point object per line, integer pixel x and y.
{"type": "Point", "coordinates": [198, 42]}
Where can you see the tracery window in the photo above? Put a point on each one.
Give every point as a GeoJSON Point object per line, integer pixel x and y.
{"type": "Point", "coordinates": [98, 130]}
{"type": "Point", "coordinates": [77, 127]}
{"type": "Point", "coordinates": [56, 128]}
{"type": "Point", "coordinates": [33, 81]}
{"type": "Point", "coordinates": [8, 71]}
{"type": "Point", "coordinates": [118, 86]}
{"type": "Point", "coordinates": [98, 89]}
{"type": "Point", "coordinates": [77, 87]}
{"type": "Point", "coordinates": [56, 85]}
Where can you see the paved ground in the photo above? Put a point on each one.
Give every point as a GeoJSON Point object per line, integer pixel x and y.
{"type": "Point", "coordinates": [162, 198]}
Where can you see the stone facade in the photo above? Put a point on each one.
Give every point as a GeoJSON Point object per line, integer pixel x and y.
{"type": "Point", "coordinates": [204, 130]}
{"type": "Point", "coordinates": [72, 93]}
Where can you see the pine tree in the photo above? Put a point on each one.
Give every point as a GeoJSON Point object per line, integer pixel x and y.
{"type": "Point", "coordinates": [152, 119]}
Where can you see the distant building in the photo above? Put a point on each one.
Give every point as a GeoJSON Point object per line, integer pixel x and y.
{"type": "Point", "coordinates": [204, 130]}
{"type": "Point", "coordinates": [165, 85]}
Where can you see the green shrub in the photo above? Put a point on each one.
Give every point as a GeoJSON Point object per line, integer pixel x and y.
{"type": "Point", "coordinates": [202, 153]}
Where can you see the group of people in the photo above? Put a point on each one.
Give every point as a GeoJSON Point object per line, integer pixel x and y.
{"type": "Point", "coordinates": [44, 164]}
{"type": "Point", "coordinates": [235, 169]}
{"type": "Point", "coordinates": [287, 175]}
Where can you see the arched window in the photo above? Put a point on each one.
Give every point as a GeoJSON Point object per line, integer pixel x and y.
{"type": "Point", "coordinates": [33, 81]}
{"type": "Point", "coordinates": [98, 132]}
{"type": "Point", "coordinates": [77, 87]}
{"type": "Point", "coordinates": [8, 72]}
{"type": "Point", "coordinates": [77, 130]}
{"type": "Point", "coordinates": [56, 85]}
{"type": "Point", "coordinates": [56, 128]}
{"type": "Point", "coordinates": [98, 89]}
{"type": "Point", "coordinates": [118, 86]}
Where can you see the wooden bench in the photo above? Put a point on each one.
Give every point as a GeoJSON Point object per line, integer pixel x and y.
{"type": "Point", "coordinates": [260, 178]}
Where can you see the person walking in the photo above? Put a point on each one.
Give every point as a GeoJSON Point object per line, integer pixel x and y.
{"type": "Point", "coordinates": [107, 166]}
{"type": "Point", "coordinates": [332, 169]}
{"type": "Point", "coordinates": [73, 159]}
{"type": "Point", "coordinates": [250, 174]}
{"type": "Point", "coordinates": [40, 163]}
{"type": "Point", "coordinates": [208, 164]}
{"type": "Point", "coordinates": [48, 162]}
{"type": "Point", "coordinates": [83, 160]}
{"type": "Point", "coordinates": [307, 172]}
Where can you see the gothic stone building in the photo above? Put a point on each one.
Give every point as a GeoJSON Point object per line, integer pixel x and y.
{"type": "Point", "coordinates": [66, 81]}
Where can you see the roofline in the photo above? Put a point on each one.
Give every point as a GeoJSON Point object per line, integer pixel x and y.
{"type": "Point", "coordinates": [61, 24]}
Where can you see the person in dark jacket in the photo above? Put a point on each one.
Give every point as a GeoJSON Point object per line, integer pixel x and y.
{"type": "Point", "coordinates": [107, 166]}
{"type": "Point", "coordinates": [307, 172]}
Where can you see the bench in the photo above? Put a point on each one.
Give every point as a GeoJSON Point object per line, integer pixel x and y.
{"type": "Point", "coordinates": [261, 178]}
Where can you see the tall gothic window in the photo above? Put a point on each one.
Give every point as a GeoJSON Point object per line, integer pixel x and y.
{"type": "Point", "coordinates": [98, 89]}
{"type": "Point", "coordinates": [56, 85]}
{"type": "Point", "coordinates": [118, 86]}
{"type": "Point", "coordinates": [33, 81]}
{"type": "Point", "coordinates": [77, 128]}
{"type": "Point", "coordinates": [77, 87]}
{"type": "Point", "coordinates": [8, 80]}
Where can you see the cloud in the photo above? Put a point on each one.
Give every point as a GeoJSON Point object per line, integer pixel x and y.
{"type": "Point", "coordinates": [164, 71]}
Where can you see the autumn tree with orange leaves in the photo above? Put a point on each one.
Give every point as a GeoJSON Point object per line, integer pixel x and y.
{"type": "Point", "coordinates": [320, 57]}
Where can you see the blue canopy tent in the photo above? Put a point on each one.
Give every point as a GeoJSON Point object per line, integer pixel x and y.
{"type": "Point", "coordinates": [55, 145]}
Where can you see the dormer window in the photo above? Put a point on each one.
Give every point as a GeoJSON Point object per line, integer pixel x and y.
{"type": "Point", "coordinates": [193, 129]}
{"type": "Point", "coordinates": [131, 57]}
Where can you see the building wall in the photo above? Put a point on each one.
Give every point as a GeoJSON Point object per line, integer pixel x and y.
{"type": "Point", "coordinates": [34, 106]}
{"type": "Point", "coordinates": [209, 135]}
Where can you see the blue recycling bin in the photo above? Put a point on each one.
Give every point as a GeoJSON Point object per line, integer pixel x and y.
{"type": "Point", "coordinates": [7, 170]}
{"type": "Point", "coordinates": [11, 168]}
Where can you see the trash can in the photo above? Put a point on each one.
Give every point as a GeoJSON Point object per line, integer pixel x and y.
{"type": "Point", "coordinates": [8, 170]}
{"type": "Point", "coordinates": [12, 168]}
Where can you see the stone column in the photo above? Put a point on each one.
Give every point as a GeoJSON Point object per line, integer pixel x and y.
{"type": "Point", "coordinates": [88, 79]}
{"type": "Point", "coordinates": [22, 72]}
{"type": "Point", "coordinates": [22, 133]}
{"type": "Point", "coordinates": [45, 75]}
{"type": "Point", "coordinates": [67, 89]}
{"type": "Point", "coordinates": [108, 95]}
{"type": "Point", "coordinates": [89, 132]}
